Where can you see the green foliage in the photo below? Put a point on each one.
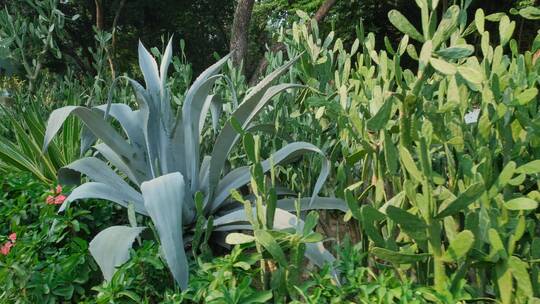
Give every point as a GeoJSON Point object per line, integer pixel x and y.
{"type": "Point", "coordinates": [430, 139]}
{"type": "Point", "coordinates": [49, 261]}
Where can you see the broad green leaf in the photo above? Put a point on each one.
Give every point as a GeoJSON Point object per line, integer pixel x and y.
{"type": "Point", "coordinates": [504, 177]}
{"type": "Point", "coordinates": [506, 29]}
{"type": "Point", "coordinates": [479, 20]}
{"type": "Point", "coordinates": [495, 17]}
{"type": "Point", "coordinates": [379, 120]}
{"type": "Point", "coordinates": [459, 246]}
{"type": "Point", "coordinates": [425, 55]}
{"type": "Point", "coordinates": [496, 243]}
{"type": "Point", "coordinates": [390, 153]}
{"type": "Point", "coordinates": [520, 273]}
{"type": "Point", "coordinates": [530, 12]}
{"type": "Point", "coordinates": [409, 164]}
{"type": "Point", "coordinates": [398, 257]}
{"type": "Point", "coordinates": [401, 23]}
{"type": "Point", "coordinates": [472, 75]}
{"type": "Point", "coordinates": [272, 246]}
{"type": "Point", "coordinates": [447, 26]}
{"type": "Point", "coordinates": [110, 247]}
{"type": "Point", "coordinates": [521, 203]}
{"type": "Point", "coordinates": [164, 200]}
{"type": "Point", "coordinates": [442, 66]}
{"type": "Point", "coordinates": [527, 96]}
{"type": "Point", "coordinates": [371, 215]}
{"type": "Point", "coordinates": [456, 52]}
{"type": "Point", "coordinates": [239, 238]}
{"type": "Point", "coordinates": [504, 282]}
{"type": "Point", "coordinates": [469, 196]}
{"type": "Point", "coordinates": [414, 226]}
{"type": "Point", "coordinates": [532, 167]}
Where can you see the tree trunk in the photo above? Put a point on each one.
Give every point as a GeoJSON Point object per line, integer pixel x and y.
{"type": "Point", "coordinates": [323, 10]}
{"type": "Point", "coordinates": [319, 16]}
{"type": "Point", "coordinates": [240, 29]}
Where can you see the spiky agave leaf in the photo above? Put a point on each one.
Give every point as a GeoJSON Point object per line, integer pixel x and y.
{"type": "Point", "coordinates": [164, 199]}
{"type": "Point", "coordinates": [110, 247]}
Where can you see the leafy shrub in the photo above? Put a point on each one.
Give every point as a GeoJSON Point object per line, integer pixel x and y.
{"type": "Point", "coordinates": [49, 261]}
{"type": "Point", "coordinates": [445, 154]}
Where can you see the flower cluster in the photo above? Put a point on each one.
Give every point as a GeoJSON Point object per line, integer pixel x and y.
{"type": "Point", "coordinates": [10, 243]}
{"type": "Point", "coordinates": [57, 198]}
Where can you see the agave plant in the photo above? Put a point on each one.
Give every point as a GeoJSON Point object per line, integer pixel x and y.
{"type": "Point", "coordinates": [159, 153]}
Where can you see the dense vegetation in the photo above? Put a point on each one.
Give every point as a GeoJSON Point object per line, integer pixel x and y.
{"type": "Point", "coordinates": [379, 162]}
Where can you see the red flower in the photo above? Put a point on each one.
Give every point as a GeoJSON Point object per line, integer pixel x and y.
{"type": "Point", "coordinates": [50, 200]}
{"type": "Point", "coordinates": [12, 237]}
{"type": "Point", "coordinates": [6, 248]}
{"type": "Point", "coordinates": [59, 199]}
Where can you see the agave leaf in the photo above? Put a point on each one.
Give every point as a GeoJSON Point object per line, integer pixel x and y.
{"type": "Point", "coordinates": [241, 176]}
{"type": "Point", "coordinates": [149, 68]}
{"type": "Point", "coordinates": [253, 103]}
{"type": "Point", "coordinates": [110, 247]}
{"type": "Point", "coordinates": [98, 171]}
{"type": "Point", "coordinates": [164, 199]}
{"type": "Point", "coordinates": [129, 120]}
{"type": "Point", "coordinates": [104, 191]}
{"type": "Point", "coordinates": [215, 111]}
{"type": "Point", "coordinates": [99, 127]}
{"type": "Point", "coordinates": [204, 111]}
{"type": "Point", "coordinates": [165, 62]}
{"type": "Point", "coordinates": [191, 112]}
{"type": "Point", "coordinates": [136, 176]}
